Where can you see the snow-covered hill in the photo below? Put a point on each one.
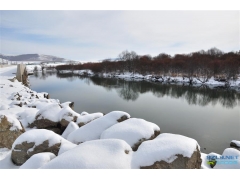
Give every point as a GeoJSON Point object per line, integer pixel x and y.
{"type": "Point", "coordinates": [32, 57]}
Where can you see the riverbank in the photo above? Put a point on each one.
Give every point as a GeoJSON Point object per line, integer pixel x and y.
{"type": "Point", "coordinates": [179, 80]}
{"type": "Point", "coordinates": [36, 112]}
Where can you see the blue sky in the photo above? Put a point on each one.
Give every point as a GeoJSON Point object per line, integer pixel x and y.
{"type": "Point", "coordinates": [96, 35]}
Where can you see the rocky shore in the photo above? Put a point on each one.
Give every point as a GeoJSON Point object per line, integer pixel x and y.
{"type": "Point", "coordinates": [39, 132]}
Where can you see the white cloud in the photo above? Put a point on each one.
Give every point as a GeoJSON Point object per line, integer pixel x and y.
{"type": "Point", "coordinates": [101, 34]}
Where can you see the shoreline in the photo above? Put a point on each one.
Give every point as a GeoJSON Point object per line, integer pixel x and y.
{"type": "Point", "coordinates": [159, 79]}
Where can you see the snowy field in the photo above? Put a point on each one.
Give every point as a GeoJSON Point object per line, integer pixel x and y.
{"type": "Point", "coordinates": [39, 132]}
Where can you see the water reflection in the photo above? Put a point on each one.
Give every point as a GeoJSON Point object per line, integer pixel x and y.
{"type": "Point", "coordinates": [131, 90]}
{"type": "Point", "coordinates": [203, 95]}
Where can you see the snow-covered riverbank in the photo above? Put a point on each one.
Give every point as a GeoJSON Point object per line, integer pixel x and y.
{"type": "Point", "coordinates": [211, 82]}
{"type": "Point", "coordinates": [38, 132]}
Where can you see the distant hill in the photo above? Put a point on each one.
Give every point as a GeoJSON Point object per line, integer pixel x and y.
{"type": "Point", "coordinates": [32, 57]}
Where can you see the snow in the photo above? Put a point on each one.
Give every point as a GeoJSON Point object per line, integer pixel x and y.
{"type": "Point", "coordinates": [84, 119]}
{"type": "Point", "coordinates": [37, 160]}
{"type": "Point", "coordinates": [66, 146]}
{"type": "Point", "coordinates": [49, 112]}
{"type": "Point", "coordinates": [4, 152]}
{"type": "Point", "coordinates": [38, 136]}
{"type": "Point", "coordinates": [205, 164]}
{"type": "Point", "coordinates": [229, 163]}
{"type": "Point", "coordinates": [41, 103]}
{"type": "Point", "coordinates": [27, 116]}
{"type": "Point", "coordinates": [67, 113]}
{"type": "Point", "coordinates": [65, 104]}
{"type": "Point", "coordinates": [15, 124]}
{"type": "Point", "coordinates": [94, 129]}
{"type": "Point", "coordinates": [78, 72]}
{"type": "Point", "coordinates": [131, 131]}
{"type": "Point", "coordinates": [7, 163]}
{"type": "Point", "coordinates": [72, 126]}
{"type": "Point", "coordinates": [8, 71]}
{"type": "Point", "coordinates": [168, 79]}
{"type": "Point", "coordinates": [236, 142]}
{"type": "Point", "coordinates": [31, 68]}
{"type": "Point", "coordinates": [84, 113]}
{"type": "Point", "coordinates": [165, 147]}
{"type": "Point", "coordinates": [96, 154]}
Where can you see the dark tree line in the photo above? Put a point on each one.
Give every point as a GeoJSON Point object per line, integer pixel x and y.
{"type": "Point", "coordinates": [201, 65]}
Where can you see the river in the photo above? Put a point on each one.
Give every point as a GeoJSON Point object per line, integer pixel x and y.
{"type": "Point", "coordinates": [211, 116]}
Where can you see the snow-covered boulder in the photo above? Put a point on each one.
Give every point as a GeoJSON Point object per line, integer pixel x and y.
{"type": "Point", "coordinates": [67, 115]}
{"type": "Point", "coordinates": [97, 154]}
{"type": "Point", "coordinates": [27, 116]}
{"type": "Point", "coordinates": [68, 104]}
{"type": "Point", "coordinates": [134, 131]}
{"type": "Point", "coordinates": [42, 103]}
{"type": "Point", "coordinates": [94, 129]}
{"type": "Point", "coordinates": [38, 160]}
{"type": "Point", "coordinates": [10, 130]}
{"type": "Point", "coordinates": [235, 144]}
{"type": "Point", "coordinates": [72, 126]}
{"type": "Point", "coordinates": [84, 113]}
{"type": "Point", "coordinates": [168, 151]}
{"type": "Point", "coordinates": [47, 117]}
{"type": "Point", "coordinates": [230, 159]}
{"type": "Point", "coordinates": [33, 142]}
{"type": "Point", "coordinates": [84, 119]}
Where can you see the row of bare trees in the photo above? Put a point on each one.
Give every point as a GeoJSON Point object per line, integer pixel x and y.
{"type": "Point", "coordinates": [201, 65]}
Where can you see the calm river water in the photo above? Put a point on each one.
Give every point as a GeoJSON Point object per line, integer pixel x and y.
{"type": "Point", "coordinates": [210, 116]}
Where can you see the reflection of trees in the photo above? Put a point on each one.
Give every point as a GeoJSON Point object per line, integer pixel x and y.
{"type": "Point", "coordinates": [203, 95]}
{"type": "Point", "coordinates": [128, 91]}
{"type": "Point", "coordinates": [43, 74]}
{"type": "Point", "coordinates": [71, 78]}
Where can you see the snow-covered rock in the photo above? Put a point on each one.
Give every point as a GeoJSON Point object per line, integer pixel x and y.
{"type": "Point", "coordinates": [27, 117]}
{"type": "Point", "coordinates": [10, 130]}
{"type": "Point", "coordinates": [94, 129]}
{"type": "Point", "coordinates": [97, 154]}
{"type": "Point", "coordinates": [47, 117]}
{"type": "Point", "coordinates": [84, 119]}
{"type": "Point", "coordinates": [42, 103]}
{"type": "Point", "coordinates": [235, 144]}
{"type": "Point", "coordinates": [72, 126]}
{"type": "Point", "coordinates": [134, 131]}
{"type": "Point", "coordinates": [33, 142]}
{"type": "Point", "coordinates": [67, 115]}
{"type": "Point", "coordinates": [67, 104]}
{"type": "Point", "coordinates": [84, 113]}
{"type": "Point", "coordinates": [168, 151]}
{"type": "Point", "coordinates": [38, 160]}
{"type": "Point", "coordinates": [230, 159]}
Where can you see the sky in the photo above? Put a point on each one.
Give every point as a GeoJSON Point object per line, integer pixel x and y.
{"type": "Point", "coordinates": [88, 35]}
